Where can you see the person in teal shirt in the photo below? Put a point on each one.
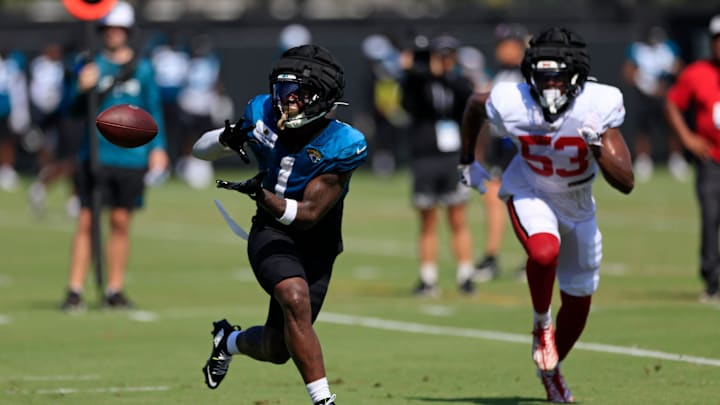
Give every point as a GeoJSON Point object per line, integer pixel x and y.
{"type": "Point", "coordinates": [119, 76]}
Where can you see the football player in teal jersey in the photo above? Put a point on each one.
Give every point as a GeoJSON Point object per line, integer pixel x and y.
{"type": "Point", "coordinates": [306, 160]}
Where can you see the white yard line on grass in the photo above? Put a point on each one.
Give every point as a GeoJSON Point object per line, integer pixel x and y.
{"type": "Point", "coordinates": [89, 377]}
{"type": "Point", "coordinates": [97, 390]}
{"type": "Point", "coordinates": [378, 323]}
{"type": "Point", "coordinates": [143, 316]}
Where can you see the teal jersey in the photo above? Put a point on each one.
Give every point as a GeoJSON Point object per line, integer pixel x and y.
{"type": "Point", "coordinates": [139, 89]}
{"type": "Point", "coordinates": [339, 148]}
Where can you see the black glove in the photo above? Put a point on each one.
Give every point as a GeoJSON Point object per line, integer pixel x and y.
{"type": "Point", "coordinates": [251, 187]}
{"type": "Point", "coordinates": [235, 136]}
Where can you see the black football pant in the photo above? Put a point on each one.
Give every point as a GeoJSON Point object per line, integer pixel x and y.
{"type": "Point", "coordinates": [707, 187]}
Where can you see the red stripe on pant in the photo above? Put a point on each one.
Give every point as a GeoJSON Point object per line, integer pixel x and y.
{"type": "Point", "coordinates": [542, 250]}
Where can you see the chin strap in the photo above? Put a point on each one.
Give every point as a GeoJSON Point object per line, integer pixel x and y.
{"type": "Point", "coordinates": [282, 120]}
{"type": "Point", "coordinates": [300, 120]}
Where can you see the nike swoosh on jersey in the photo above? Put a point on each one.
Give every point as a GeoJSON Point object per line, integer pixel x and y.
{"type": "Point", "coordinates": [360, 150]}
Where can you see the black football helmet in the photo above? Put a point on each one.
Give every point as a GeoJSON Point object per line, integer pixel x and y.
{"type": "Point", "coordinates": [556, 66]}
{"type": "Point", "coordinates": [306, 83]}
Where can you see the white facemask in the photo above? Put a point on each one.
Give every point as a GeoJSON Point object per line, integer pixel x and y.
{"type": "Point", "coordinates": [553, 100]}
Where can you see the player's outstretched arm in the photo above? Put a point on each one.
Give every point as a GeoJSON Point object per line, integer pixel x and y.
{"type": "Point", "coordinates": [208, 147]}
{"type": "Point", "coordinates": [223, 142]}
{"type": "Point", "coordinates": [320, 196]}
{"type": "Point", "coordinates": [614, 160]}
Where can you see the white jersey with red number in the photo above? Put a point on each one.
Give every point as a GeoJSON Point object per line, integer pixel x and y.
{"type": "Point", "coordinates": [553, 160]}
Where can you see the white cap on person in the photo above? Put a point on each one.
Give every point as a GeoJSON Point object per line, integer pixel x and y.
{"type": "Point", "coordinates": [715, 25]}
{"type": "Point", "coordinates": [121, 15]}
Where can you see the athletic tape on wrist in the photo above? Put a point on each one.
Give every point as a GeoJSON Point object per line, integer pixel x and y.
{"type": "Point", "coordinates": [290, 212]}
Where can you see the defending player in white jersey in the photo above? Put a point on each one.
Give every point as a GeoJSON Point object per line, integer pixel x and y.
{"type": "Point", "coordinates": [565, 128]}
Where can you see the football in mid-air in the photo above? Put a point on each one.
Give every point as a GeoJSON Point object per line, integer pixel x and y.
{"type": "Point", "coordinates": [126, 125]}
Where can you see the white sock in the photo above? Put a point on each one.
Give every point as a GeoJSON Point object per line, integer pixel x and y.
{"type": "Point", "coordinates": [544, 319]}
{"type": "Point", "coordinates": [318, 390]}
{"type": "Point", "coordinates": [232, 342]}
{"type": "Point", "coordinates": [429, 273]}
{"type": "Point", "coordinates": [464, 272]}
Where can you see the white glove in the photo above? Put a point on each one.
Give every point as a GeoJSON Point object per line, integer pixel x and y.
{"type": "Point", "coordinates": [474, 175]}
{"type": "Point", "coordinates": [591, 136]}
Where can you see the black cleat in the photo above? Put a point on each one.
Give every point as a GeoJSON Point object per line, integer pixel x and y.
{"type": "Point", "coordinates": [117, 300]}
{"type": "Point", "coordinates": [486, 270]}
{"type": "Point", "coordinates": [73, 302]}
{"type": "Point", "coordinates": [467, 287]}
{"type": "Point", "coordinates": [217, 365]}
{"type": "Point", "coordinates": [426, 290]}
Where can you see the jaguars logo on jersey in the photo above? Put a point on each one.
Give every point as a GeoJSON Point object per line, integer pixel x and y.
{"type": "Point", "coordinates": [314, 155]}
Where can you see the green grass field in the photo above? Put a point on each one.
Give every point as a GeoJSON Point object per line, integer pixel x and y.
{"type": "Point", "coordinates": [648, 340]}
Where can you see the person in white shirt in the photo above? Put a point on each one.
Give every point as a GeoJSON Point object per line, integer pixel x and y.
{"type": "Point", "coordinates": [566, 128]}
{"type": "Point", "coordinates": [196, 100]}
{"type": "Point", "coordinates": [59, 135]}
{"type": "Point", "coordinates": [14, 115]}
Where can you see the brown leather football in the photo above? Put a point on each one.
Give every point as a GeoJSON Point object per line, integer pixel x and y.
{"type": "Point", "coordinates": [126, 125]}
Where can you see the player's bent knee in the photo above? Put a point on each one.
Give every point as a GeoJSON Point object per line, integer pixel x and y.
{"type": "Point", "coordinates": [543, 248]}
{"type": "Point", "coordinates": [293, 295]}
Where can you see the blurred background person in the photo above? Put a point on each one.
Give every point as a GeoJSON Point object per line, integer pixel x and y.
{"type": "Point", "coordinates": [698, 86]}
{"type": "Point", "coordinates": [58, 136]}
{"type": "Point", "coordinates": [510, 43]}
{"type": "Point", "coordinates": [171, 61]}
{"type": "Point", "coordinates": [195, 101]}
{"type": "Point", "coordinates": [388, 120]}
{"type": "Point", "coordinates": [650, 67]}
{"type": "Point", "coordinates": [293, 35]}
{"type": "Point", "coordinates": [221, 105]}
{"type": "Point", "coordinates": [123, 172]}
{"type": "Point", "coordinates": [473, 65]}
{"type": "Point", "coordinates": [14, 115]}
{"type": "Point", "coordinates": [434, 93]}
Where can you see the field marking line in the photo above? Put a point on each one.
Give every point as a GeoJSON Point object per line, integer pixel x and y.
{"type": "Point", "coordinates": [99, 390]}
{"type": "Point", "coordinates": [143, 316]}
{"type": "Point", "coordinates": [411, 327]}
{"type": "Point", "coordinates": [88, 377]}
